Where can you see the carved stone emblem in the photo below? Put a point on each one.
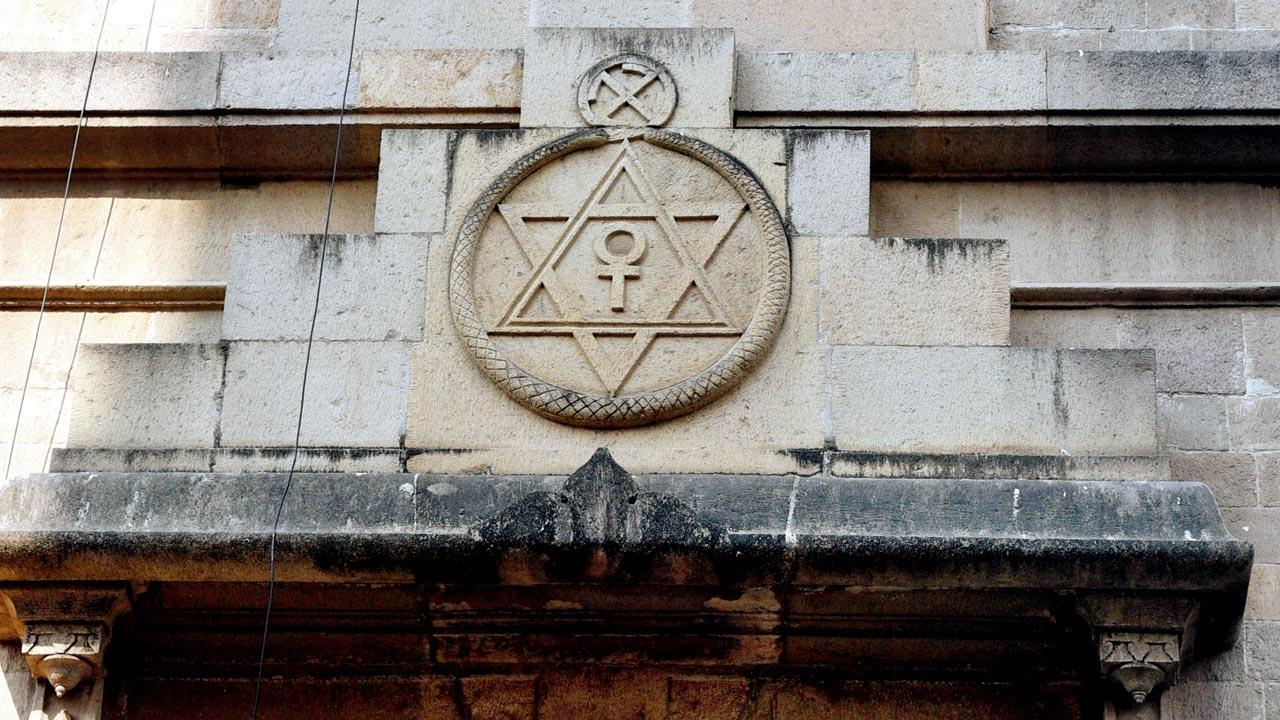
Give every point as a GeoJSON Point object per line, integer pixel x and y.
{"type": "Point", "coordinates": [629, 90]}
{"type": "Point", "coordinates": [616, 278]}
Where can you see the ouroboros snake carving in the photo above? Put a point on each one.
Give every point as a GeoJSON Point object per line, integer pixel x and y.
{"type": "Point", "coordinates": [587, 410]}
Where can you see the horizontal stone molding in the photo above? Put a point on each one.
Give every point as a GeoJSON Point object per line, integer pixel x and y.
{"type": "Point", "coordinates": [97, 298]}
{"type": "Point", "coordinates": [211, 295]}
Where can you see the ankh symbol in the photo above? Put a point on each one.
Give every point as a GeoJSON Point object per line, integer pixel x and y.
{"type": "Point", "coordinates": [619, 246]}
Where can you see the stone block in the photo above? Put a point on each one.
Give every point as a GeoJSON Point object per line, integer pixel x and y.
{"type": "Point", "coordinates": [1020, 12]}
{"type": "Point", "coordinates": [448, 78]}
{"type": "Point", "coordinates": [1229, 475]}
{"type": "Point", "coordinates": [138, 82]}
{"type": "Point", "coordinates": [284, 81]}
{"type": "Point", "coordinates": [1267, 466]}
{"type": "Point", "coordinates": [828, 186]}
{"type": "Point", "coordinates": [413, 177]}
{"type": "Point", "coordinates": [708, 698]}
{"type": "Point", "coordinates": [74, 459]}
{"type": "Point", "coordinates": [1254, 423]}
{"type": "Point", "coordinates": [1098, 15]}
{"type": "Point", "coordinates": [1197, 351]}
{"type": "Point", "coordinates": [880, 24]}
{"type": "Point", "coordinates": [1217, 700]}
{"type": "Point", "coordinates": [1200, 14]}
{"type": "Point", "coordinates": [45, 81]}
{"type": "Point", "coordinates": [604, 13]}
{"type": "Point", "coordinates": [356, 394]}
{"type": "Point", "coordinates": [1193, 422]}
{"type": "Point", "coordinates": [146, 396]}
{"type": "Point", "coordinates": [1203, 80]}
{"type": "Point", "coordinates": [395, 25]}
{"type": "Point", "coordinates": [803, 82]}
{"type": "Point", "coordinates": [700, 61]}
{"type": "Point", "coordinates": [887, 291]}
{"type": "Point", "coordinates": [1260, 526]}
{"type": "Point", "coordinates": [1257, 14]}
{"type": "Point", "coordinates": [1145, 40]}
{"type": "Point", "coordinates": [373, 287]}
{"type": "Point", "coordinates": [1264, 593]}
{"type": "Point", "coordinates": [1097, 232]}
{"type": "Point", "coordinates": [1262, 650]}
{"type": "Point", "coordinates": [775, 410]}
{"type": "Point", "coordinates": [993, 400]}
{"type": "Point", "coordinates": [500, 697]}
{"type": "Point", "coordinates": [260, 14]}
{"type": "Point", "coordinates": [980, 81]}
{"type": "Point", "coordinates": [1261, 351]}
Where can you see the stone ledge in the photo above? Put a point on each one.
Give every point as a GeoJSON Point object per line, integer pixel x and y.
{"type": "Point", "coordinates": [564, 558]}
{"type": "Point", "coordinates": [768, 82]}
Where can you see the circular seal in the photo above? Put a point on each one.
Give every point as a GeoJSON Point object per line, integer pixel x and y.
{"type": "Point", "coordinates": [627, 90]}
{"type": "Point", "coordinates": [613, 279]}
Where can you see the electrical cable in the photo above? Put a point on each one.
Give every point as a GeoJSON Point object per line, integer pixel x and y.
{"type": "Point", "coordinates": [306, 366]}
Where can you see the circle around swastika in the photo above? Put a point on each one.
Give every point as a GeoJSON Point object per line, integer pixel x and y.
{"type": "Point", "coordinates": [627, 90]}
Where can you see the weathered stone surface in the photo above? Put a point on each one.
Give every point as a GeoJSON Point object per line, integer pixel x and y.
{"type": "Point", "coordinates": [160, 81]}
{"type": "Point", "coordinates": [1230, 475]}
{"type": "Point", "coordinates": [600, 13]}
{"type": "Point", "coordinates": [828, 186]}
{"type": "Point", "coordinates": [1197, 350]}
{"type": "Point", "coordinates": [452, 78]}
{"type": "Point", "coordinates": [1261, 351]}
{"type": "Point", "coordinates": [146, 396]}
{"type": "Point", "coordinates": [1264, 593]}
{"type": "Point", "coordinates": [356, 394]}
{"type": "Point", "coordinates": [700, 61]}
{"type": "Point", "coordinates": [1260, 526]}
{"type": "Point", "coordinates": [389, 24]}
{"type": "Point", "coordinates": [413, 177]}
{"type": "Point", "coordinates": [1079, 402]}
{"type": "Point", "coordinates": [285, 81]}
{"type": "Point", "coordinates": [765, 25]}
{"type": "Point", "coordinates": [1262, 650]}
{"type": "Point", "coordinates": [978, 465]}
{"type": "Point", "coordinates": [43, 80]}
{"type": "Point", "coordinates": [1097, 232]}
{"type": "Point", "coordinates": [1161, 81]}
{"type": "Point", "coordinates": [887, 291]}
{"type": "Point", "coordinates": [373, 287]}
{"type": "Point", "coordinates": [1193, 422]}
{"type": "Point", "coordinates": [980, 81]}
{"type": "Point", "coordinates": [228, 460]}
{"type": "Point", "coordinates": [1255, 422]}
{"type": "Point", "coordinates": [777, 408]}
{"type": "Point", "coordinates": [1268, 470]}
{"type": "Point", "coordinates": [501, 697]}
{"type": "Point", "coordinates": [1226, 700]}
{"type": "Point", "coordinates": [697, 698]}
{"type": "Point", "coordinates": [825, 82]}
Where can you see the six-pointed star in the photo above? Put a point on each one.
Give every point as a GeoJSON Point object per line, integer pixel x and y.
{"type": "Point", "coordinates": [585, 324]}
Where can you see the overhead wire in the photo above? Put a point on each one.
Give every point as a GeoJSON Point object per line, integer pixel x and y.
{"type": "Point", "coordinates": [57, 240]}
{"type": "Point", "coordinates": [306, 366]}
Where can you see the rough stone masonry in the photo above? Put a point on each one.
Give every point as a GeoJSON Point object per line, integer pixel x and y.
{"type": "Point", "coordinates": [671, 359]}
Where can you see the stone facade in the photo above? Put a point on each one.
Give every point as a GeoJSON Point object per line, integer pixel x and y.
{"type": "Point", "coordinates": [1028, 242]}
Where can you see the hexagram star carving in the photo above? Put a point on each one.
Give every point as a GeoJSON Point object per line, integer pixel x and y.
{"type": "Point", "coordinates": [580, 322]}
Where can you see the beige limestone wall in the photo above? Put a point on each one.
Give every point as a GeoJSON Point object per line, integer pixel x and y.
{"type": "Point", "coordinates": [174, 25]}
{"type": "Point", "coordinates": [127, 231]}
{"type": "Point", "coordinates": [1134, 24]}
{"type": "Point", "coordinates": [1091, 232]}
{"type": "Point", "coordinates": [1217, 368]}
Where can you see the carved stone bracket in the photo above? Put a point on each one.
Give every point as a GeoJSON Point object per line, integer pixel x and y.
{"type": "Point", "coordinates": [1142, 664]}
{"type": "Point", "coordinates": [66, 629]}
{"type": "Point", "coordinates": [64, 654]}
